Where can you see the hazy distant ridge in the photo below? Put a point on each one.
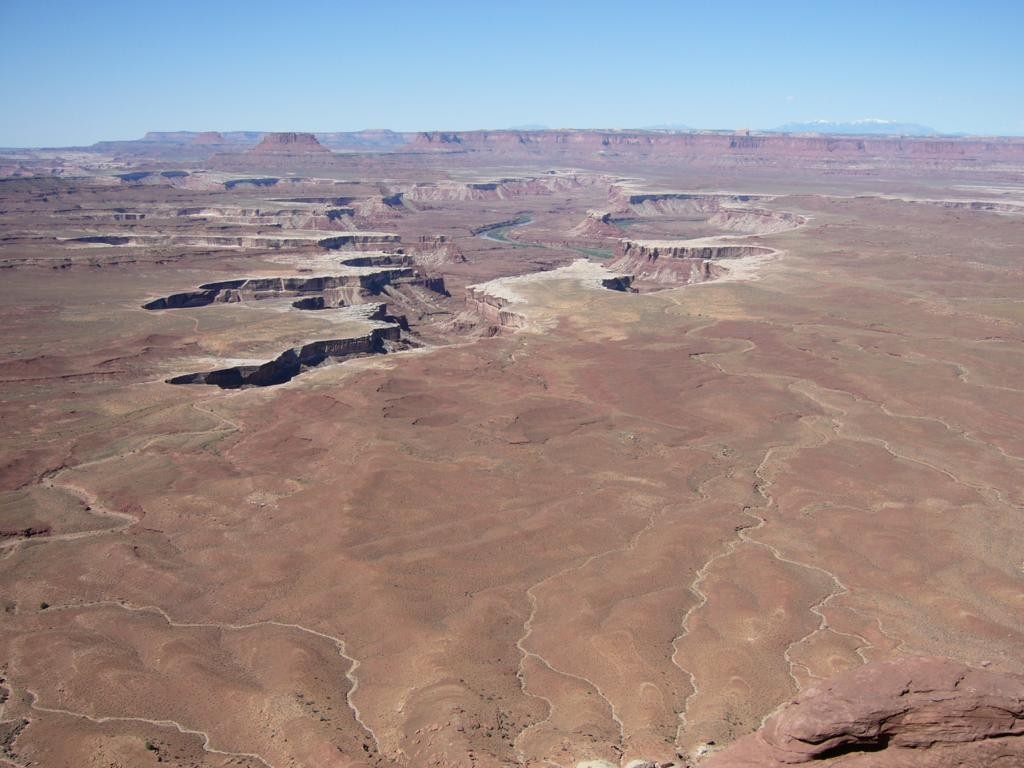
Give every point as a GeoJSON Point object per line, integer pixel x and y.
{"type": "Point", "coordinates": [859, 127]}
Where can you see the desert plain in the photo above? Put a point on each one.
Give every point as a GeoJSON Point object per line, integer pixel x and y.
{"type": "Point", "coordinates": [507, 449]}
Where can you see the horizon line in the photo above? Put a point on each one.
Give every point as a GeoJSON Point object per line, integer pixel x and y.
{"type": "Point", "coordinates": [531, 129]}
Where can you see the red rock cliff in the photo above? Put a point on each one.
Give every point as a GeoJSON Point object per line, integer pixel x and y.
{"type": "Point", "coordinates": [712, 146]}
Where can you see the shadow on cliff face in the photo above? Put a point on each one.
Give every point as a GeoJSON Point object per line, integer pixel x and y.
{"type": "Point", "coordinates": [269, 181]}
{"type": "Point", "coordinates": [297, 360]}
{"type": "Point", "coordinates": [622, 283]}
{"type": "Point", "coordinates": [231, 291]}
{"type": "Point", "coordinates": [396, 277]}
{"type": "Point", "coordinates": [313, 303]}
{"type": "Point", "coordinates": [101, 240]}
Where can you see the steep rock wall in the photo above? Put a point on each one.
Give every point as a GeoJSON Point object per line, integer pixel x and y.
{"type": "Point", "coordinates": [500, 189]}
{"type": "Point", "coordinates": [294, 361]}
{"type": "Point", "coordinates": [493, 309]}
{"type": "Point", "coordinates": [345, 287]}
{"type": "Point", "coordinates": [680, 262]}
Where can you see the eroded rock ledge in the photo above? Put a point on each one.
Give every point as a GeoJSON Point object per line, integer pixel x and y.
{"type": "Point", "coordinates": [492, 307]}
{"type": "Point", "coordinates": [501, 304]}
{"type": "Point", "coordinates": [232, 291]}
{"type": "Point", "coordinates": [296, 360]}
{"type": "Point", "coordinates": [682, 261]}
{"type": "Point", "coordinates": [294, 239]}
{"type": "Point", "coordinates": [922, 712]}
{"type": "Point", "coordinates": [726, 211]}
{"type": "Point", "coordinates": [502, 189]}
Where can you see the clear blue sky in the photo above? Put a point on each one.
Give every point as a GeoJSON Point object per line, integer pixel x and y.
{"type": "Point", "coordinates": [77, 72]}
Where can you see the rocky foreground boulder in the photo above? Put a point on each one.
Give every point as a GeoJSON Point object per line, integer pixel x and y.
{"type": "Point", "coordinates": [920, 712]}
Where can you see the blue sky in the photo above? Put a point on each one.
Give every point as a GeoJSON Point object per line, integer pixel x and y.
{"type": "Point", "coordinates": [77, 72]}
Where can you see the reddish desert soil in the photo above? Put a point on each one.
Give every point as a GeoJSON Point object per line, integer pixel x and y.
{"type": "Point", "coordinates": [555, 523]}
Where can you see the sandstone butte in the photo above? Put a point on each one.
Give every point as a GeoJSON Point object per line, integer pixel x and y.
{"type": "Point", "coordinates": [289, 144]}
{"type": "Point", "coordinates": [925, 712]}
{"type": "Point", "coordinates": [208, 137]}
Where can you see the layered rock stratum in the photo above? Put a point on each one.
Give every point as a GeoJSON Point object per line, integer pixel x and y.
{"type": "Point", "coordinates": [698, 144]}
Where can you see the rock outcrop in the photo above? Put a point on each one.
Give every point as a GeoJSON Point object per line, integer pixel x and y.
{"type": "Point", "coordinates": [921, 712]}
{"type": "Point", "coordinates": [382, 208]}
{"type": "Point", "coordinates": [755, 221]}
{"type": "Point", "coordinates": [680, 261]}
{"type": "Point", "coordinates": [101, 240]}
{"type": "Point", "coordinates": [652, 250]}
{"type": "Point", "coordinates": [625, 200]}
{"type": "Point", "coordinates": [437, 251]}
{"type": "Point", "coordinates": [619, 283]}
{"type": "Point", "coordinates": [358, 238]}
{"type": "Point", "coordinates": [267, 181]}
{"type": "Point", "coordinates": [291, 238]}
{"type": "Point", "coordinates": [597, 224]}
{"type": "Point", "coordinates": [289, 144]}
{"type": "Point", "coordinates": [499, 301]}
{"type": "Point", "coordinates": [728, 212]}
{"type": "Point", "coordinates": [493, 308]}
{"type": "Point", "coordinates": [500, 189]}
{"type": "Point", "coordinates": [292, 362]}
{"type": "Point", "coordinates": [301, 217]}
{"type": "Point", "coordinates": [334, 286]}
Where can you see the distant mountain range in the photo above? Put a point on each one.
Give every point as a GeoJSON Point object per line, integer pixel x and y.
{"type": "Point", "coordinates": [859, 127]}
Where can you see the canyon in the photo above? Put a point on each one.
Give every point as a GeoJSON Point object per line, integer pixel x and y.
{"type": "Point", "coordinates": [587, 449]}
